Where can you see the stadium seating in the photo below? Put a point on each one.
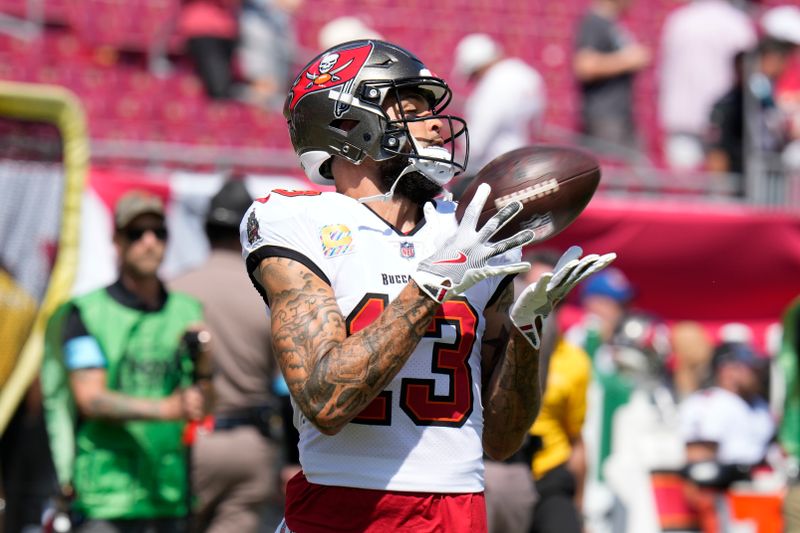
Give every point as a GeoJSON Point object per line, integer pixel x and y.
{"type": "Point", "coordinates": [99, 49]}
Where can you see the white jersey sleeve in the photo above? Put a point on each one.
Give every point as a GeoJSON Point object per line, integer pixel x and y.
{"type": "Point", "coordinates": [282, 225]}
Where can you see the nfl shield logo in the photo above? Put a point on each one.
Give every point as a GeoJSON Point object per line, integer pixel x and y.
{"type": "Point", "coordinates": [407, 250]}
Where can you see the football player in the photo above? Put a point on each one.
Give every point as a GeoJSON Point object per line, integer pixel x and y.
{"type": "Point", "coordinates": [395, 326]}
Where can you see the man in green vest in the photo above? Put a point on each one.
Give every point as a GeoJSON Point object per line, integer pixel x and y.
{"type": "Point", "coordinates": [118, 382]}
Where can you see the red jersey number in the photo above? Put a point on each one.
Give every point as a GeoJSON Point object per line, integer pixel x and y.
{"type": "Point", "coordinates": [418, 398]}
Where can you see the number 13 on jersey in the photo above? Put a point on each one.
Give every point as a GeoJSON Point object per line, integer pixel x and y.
{"type": "Point", "coordinates": [418, 398]}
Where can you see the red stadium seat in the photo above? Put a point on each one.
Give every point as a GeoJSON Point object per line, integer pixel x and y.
{"type": "Point", "coordinates": [124, 24]}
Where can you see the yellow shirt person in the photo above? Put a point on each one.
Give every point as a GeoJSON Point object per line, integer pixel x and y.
{"type": "Point", "coordinates": [563, 407]}
{"type": "Point", "coordinates": [559, 476]}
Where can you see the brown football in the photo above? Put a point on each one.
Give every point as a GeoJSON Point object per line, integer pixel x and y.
{"type": "Point", "coordinates": [554, 184]}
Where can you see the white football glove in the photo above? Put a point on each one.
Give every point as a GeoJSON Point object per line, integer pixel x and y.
{"type": "Point", "coordinates": [462, 261]}
{"type": "Point", "coordinates": [539, 298]}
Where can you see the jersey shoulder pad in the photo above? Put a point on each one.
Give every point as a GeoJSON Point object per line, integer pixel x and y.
{"type": "Point", "coordinates": [288, 219]}
{"type": "Point", "coordinates": [281, 204]}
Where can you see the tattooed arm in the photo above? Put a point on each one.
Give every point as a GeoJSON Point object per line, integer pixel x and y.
{"type": "Point", "coordinates": [331, 376]}
{"type": "Point", "coordinates": [95, 400]}
{"type": "Point", "coordinates": [511, 383]}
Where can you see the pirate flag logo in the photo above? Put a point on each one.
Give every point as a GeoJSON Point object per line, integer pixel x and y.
{"type": "Point", "coordinates": [330, 70]}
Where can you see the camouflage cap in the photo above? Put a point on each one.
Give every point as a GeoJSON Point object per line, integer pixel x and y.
{"type": "Point", "coordinates": [135, 203]}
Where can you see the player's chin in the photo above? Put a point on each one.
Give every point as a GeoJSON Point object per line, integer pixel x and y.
{"type": "Point", "coordinates": [413, 185]}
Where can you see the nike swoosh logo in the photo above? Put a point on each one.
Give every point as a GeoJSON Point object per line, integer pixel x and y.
{"type": "Point", "coordinates": [462, 258]}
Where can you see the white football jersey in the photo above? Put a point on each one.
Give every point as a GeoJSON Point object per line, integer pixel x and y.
{"type": "Point", "coordinates": [423, 432]}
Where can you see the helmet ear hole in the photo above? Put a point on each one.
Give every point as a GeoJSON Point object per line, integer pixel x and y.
{"type": "Point", "coordinates": [325, 169]}
{"type": "Point", "coordinates": [344, 125]}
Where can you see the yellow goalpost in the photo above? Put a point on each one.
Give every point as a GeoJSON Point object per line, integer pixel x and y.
{"type": "Point", "coordinates": [62, 109]}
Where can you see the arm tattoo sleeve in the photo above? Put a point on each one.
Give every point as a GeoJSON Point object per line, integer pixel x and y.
{"type": "Point", "coordinates": [512, 393]}
{"type": "Point", "coordinates": [332, 377]}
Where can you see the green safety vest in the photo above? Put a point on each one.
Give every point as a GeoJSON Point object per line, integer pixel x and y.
{"type": "Point", "coordinates": [121, 470]}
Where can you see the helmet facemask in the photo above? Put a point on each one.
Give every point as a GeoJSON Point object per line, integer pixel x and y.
{"type": "Point", "coordinates": [435, 161]}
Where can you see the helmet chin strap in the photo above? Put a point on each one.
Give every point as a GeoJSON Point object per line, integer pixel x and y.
{"type": "Point", "coordinates": [439, 172]}
{"type": "Point", "coordinates": [384, 197]}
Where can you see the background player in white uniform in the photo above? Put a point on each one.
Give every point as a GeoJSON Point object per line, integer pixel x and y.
{"type": "Point", "coordinates": [390, 320]}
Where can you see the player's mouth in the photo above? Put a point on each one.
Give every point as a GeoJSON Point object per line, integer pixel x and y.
{"type": "Point", "coordinates": [437, 141]}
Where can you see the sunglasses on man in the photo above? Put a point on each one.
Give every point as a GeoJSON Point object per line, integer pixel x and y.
{"type": "Point", "coordinates": [134, 234]}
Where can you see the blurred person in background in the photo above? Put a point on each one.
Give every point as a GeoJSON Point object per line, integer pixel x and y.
{"type": "Point", "coordinates": [509, 485]}
{"type": "Point", "coordinates": [783, 23]}
{"type": "Point", "coordinates": [727, 428]}
{"type": "Point", "coordinates": [559, 456]}
{"type": "Point", "coordinates": [209, 29]}
{"type": "Point", "coordinates": [344, 29]}
{"type": "Point", "coordinates": [235, 489]}
{"type": "Point", "coordinates": [26, 468]}
{"type": "Point", "coordinates": [506, 104]}
{"type": "Point", "coordinates": [605, 62]}
{"type": "Point", "coordinates": [725, 135]}
{"type": "Point", "coordinates": [117, 382]}
{"type": "Point", "coordinates": [733, 131]}
{"type": "Point", "coordinates": [605, 300]}
{"type": "Point", "coordinates": [267, 48]}
{"type": "Point", "coordinates": [788, 360]}
{"type": "Point", "coordinates": [540, 488]}
{"type": "Point", "coordinates": [698, 43]}
{"type": "Point", "coordinates": [690, 363]}
{"type": "Point", "coordinates": [645, 436]}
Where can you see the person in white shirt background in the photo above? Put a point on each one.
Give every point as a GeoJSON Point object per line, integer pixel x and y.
{"type": "Point", "coordinates": [727, 428]}
{"type": "Point", "coordinates": [507, 101]}
{"type": "Point", "coordinates": [730, 422]}
{"type": "Point", "coordinates": [698, 43]}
